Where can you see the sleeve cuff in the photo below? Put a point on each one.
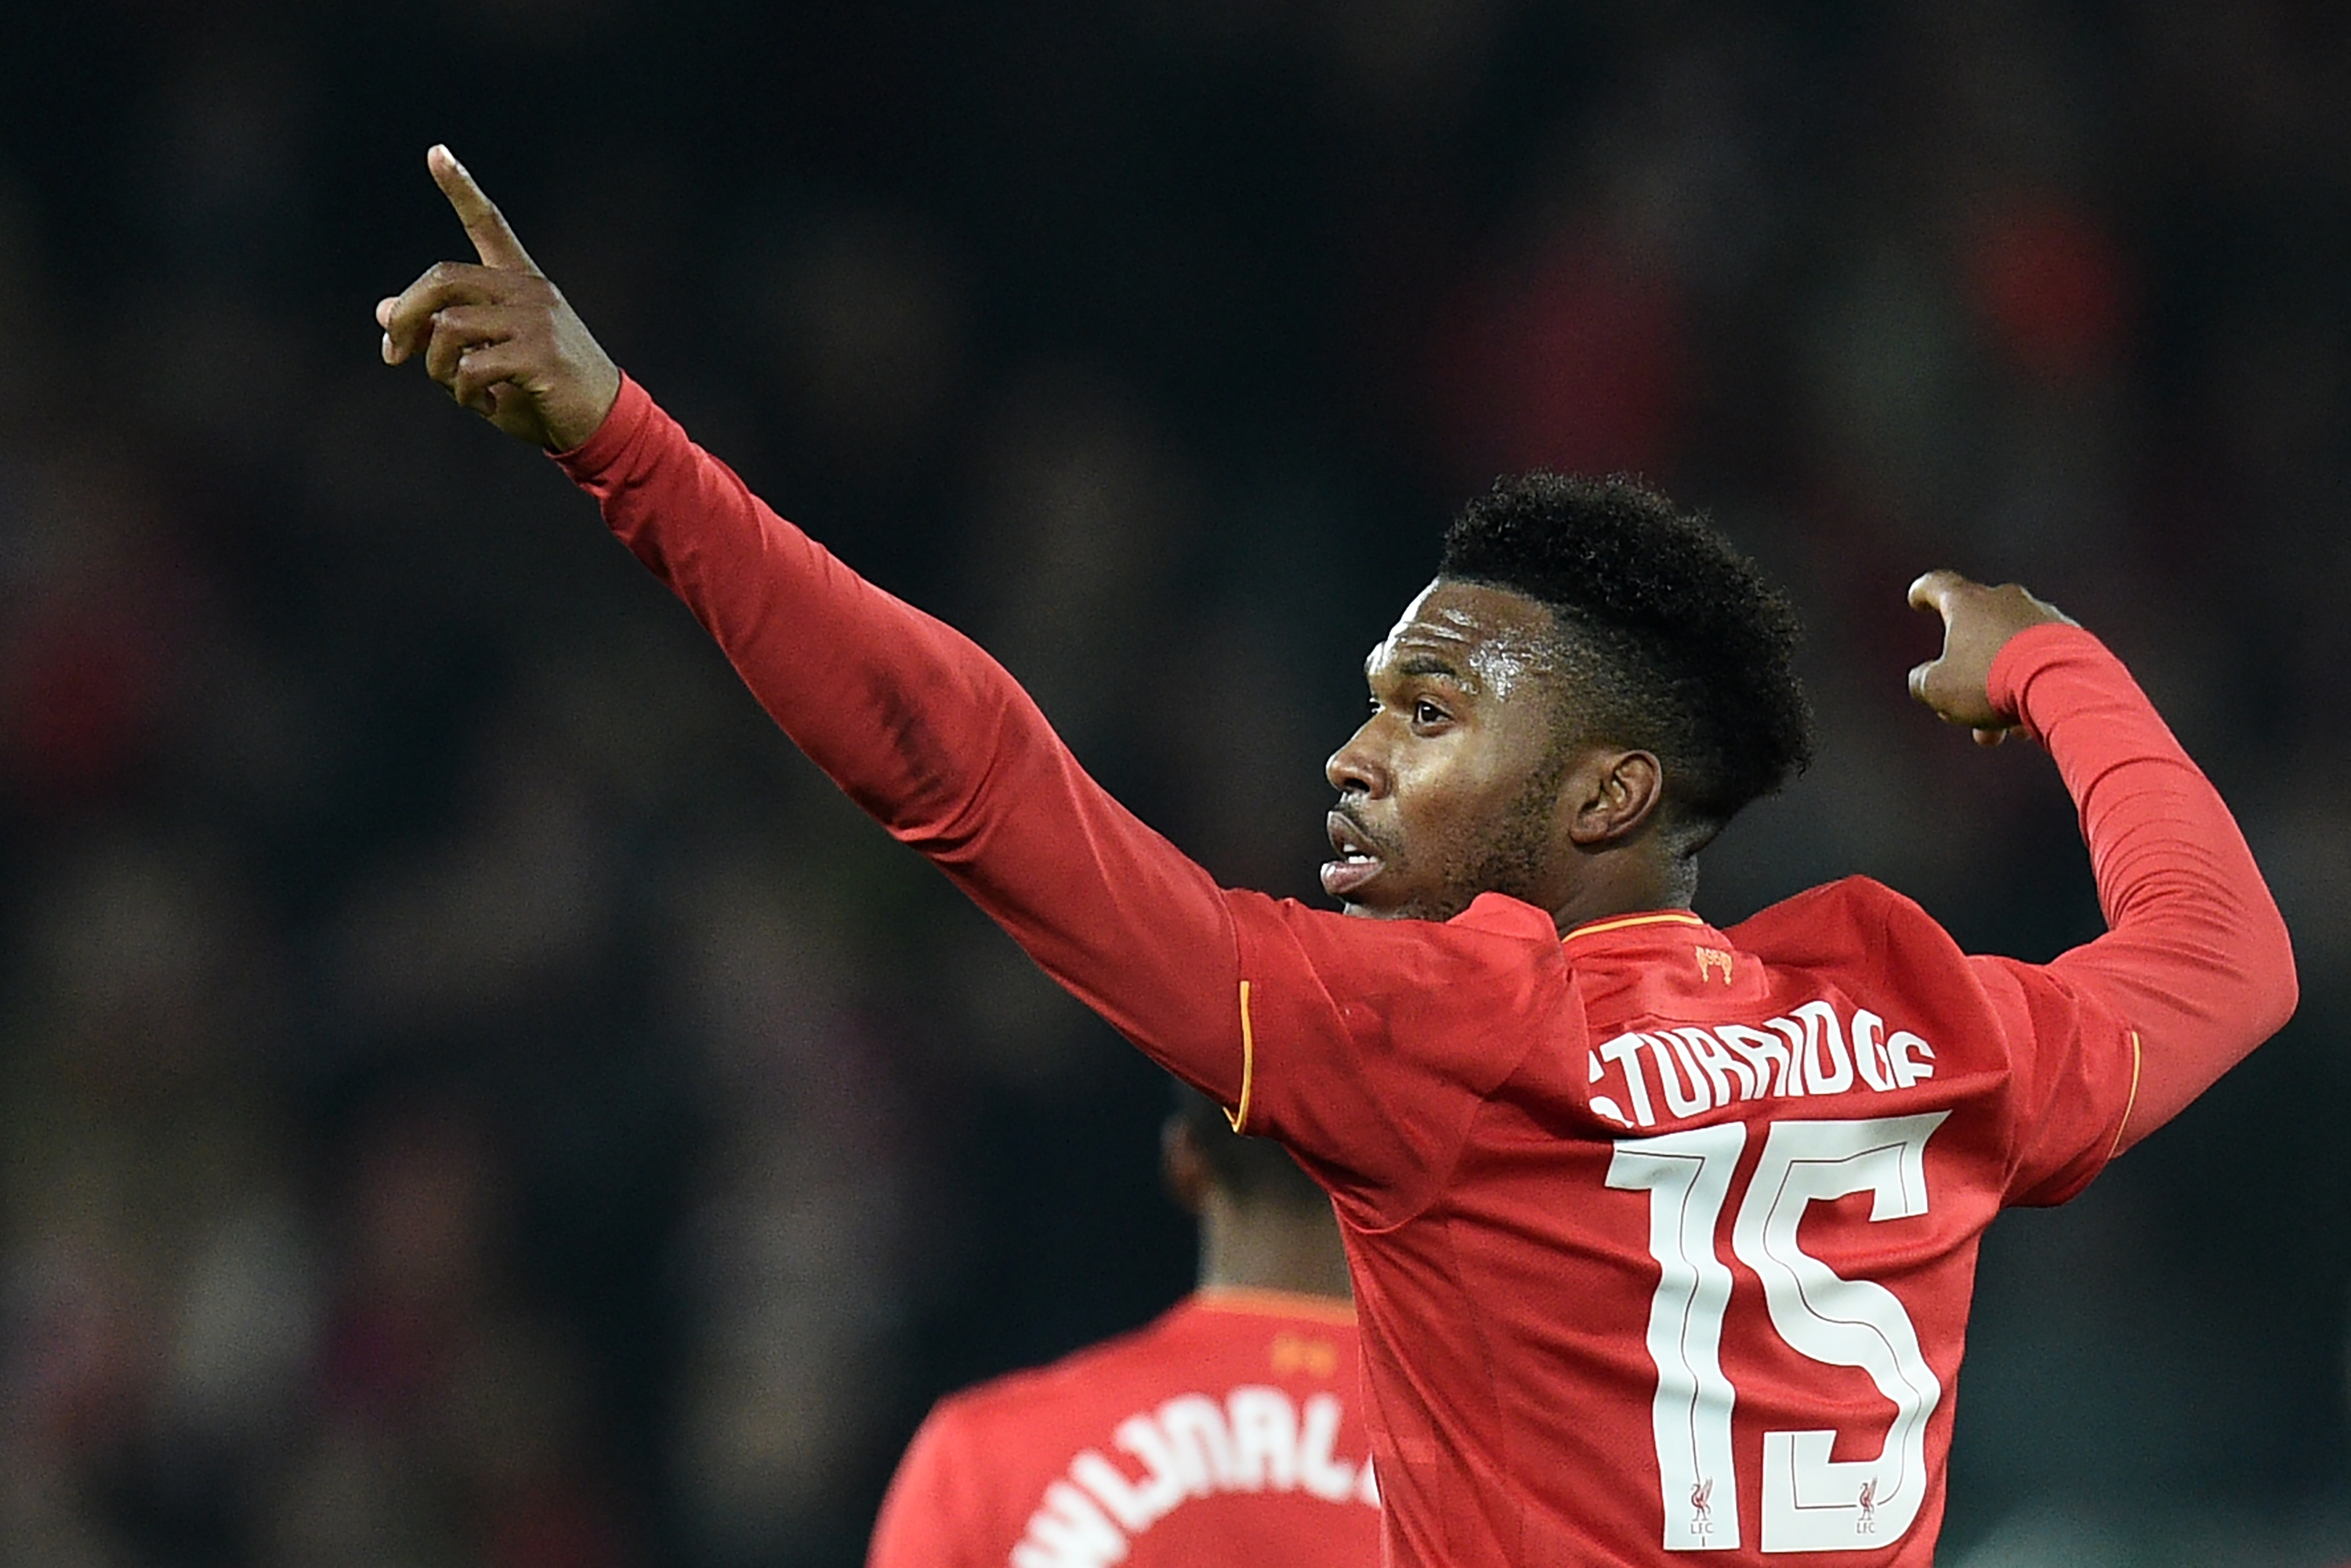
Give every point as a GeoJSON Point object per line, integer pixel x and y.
{"type": "Point", "coordinates": [594, 457]}
{"type": "Point", "coordinates": [2028, 655]}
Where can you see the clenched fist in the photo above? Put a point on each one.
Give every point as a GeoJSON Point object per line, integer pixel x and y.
{"type": "Point", "coordinates": [1978, 622]}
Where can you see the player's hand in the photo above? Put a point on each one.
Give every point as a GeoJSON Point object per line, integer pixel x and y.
{"type": "Point", "coordinates": [1978, 622]}
{"type": "Point", "coordinates": [499, 335]}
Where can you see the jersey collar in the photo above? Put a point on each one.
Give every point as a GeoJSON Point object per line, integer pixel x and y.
{"type": "Point", "coordinates": [1503, 915]}
{"type": "Point", "coordinates": [1642, 920]}
{"type": "Point", "coordinates": [1261, 1302]}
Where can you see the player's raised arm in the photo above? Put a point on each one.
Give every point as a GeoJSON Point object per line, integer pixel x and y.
{"type": "Point", "coordinates": [914, 722]}
{"type": "Point", "coordinates": [496, 333]}
{"type": "Point", "coordinates": [2196, 958]}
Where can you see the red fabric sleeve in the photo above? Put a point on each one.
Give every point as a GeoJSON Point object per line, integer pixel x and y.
{"type": "Point", "coordinates": [1374, 1042]}
{"type": "Point", "coordinates": [931, 1516]}
{"type": "Point", "coordinates": [2073, 1076]}
{"type": "Point", "coordinates": [934, 739]}
{"type": "Point", "coordinates": [2196, 960]}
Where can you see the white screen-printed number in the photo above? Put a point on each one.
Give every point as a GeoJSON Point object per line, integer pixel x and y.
{"type": "Point", "coordinates": [1810, 1502]}
{"type": "Point", "coordinates": [1688, 1176]}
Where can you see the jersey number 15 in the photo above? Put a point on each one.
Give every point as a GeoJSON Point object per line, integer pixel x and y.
{"type": "Point", "coordinates": [1811, 1502]}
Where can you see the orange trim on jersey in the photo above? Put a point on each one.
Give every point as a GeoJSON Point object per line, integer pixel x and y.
{"type": "Point", "coordinates": [1239, 1113]}
{"type": "Point", "coordinates": [1259, 1300]}
{"type": "Point", "coordinates": [2130, 1105]}
{"type": "Point", "coordinates": [1657, 917]}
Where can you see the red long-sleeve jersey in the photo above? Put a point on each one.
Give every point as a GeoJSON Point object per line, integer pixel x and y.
{"type": "Point", "coordinates": [1663, 1236]}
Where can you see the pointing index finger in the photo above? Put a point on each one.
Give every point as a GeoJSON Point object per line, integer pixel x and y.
{"type": "Point", "coordinates": [494, 240]}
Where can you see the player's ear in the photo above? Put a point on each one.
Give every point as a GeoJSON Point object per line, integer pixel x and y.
{"type": "Point", "coordinates": [1608, 793]}
{"type": "Point", "coordinates": [1182, 1165]}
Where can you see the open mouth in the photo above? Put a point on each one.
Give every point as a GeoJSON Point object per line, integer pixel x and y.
{"type": "Point", "coordinates": [1356, 863]}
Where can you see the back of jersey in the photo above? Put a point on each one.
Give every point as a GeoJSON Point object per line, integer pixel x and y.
{"type": "Point", "coordinates": [1228, 1432]}
{"type": "Point", "coordinates": [1697, 1279]}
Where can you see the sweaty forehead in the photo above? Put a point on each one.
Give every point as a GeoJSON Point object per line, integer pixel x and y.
{"type": "Point", "coordinates": [1481, 635]}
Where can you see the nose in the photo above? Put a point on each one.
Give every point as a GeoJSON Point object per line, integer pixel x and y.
{"type": "Point", "coordinates": [1355, 767]}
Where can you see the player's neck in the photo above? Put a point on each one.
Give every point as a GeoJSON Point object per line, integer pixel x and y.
{"type": "Point", "coordinates": [1627, 883]}
{"type": "Point", "coordinates": [1271, 1247]}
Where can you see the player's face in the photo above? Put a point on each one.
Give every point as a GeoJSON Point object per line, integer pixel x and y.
{"type": "Point", "coordinates": [1450, 788]}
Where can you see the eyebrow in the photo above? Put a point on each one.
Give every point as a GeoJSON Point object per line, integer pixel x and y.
{"type": "Point", "coordinates": [1420, 665]}
{"type": "Point", "coordinates": [1428, 665]}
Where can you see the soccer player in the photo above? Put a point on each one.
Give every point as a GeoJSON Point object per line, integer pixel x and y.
{"type": "Point", "coordinates": [1225, 1435]}
{"type": "Point", "coordinates": [1662, 1236]}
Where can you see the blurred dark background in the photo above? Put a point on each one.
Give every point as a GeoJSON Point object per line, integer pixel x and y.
{"type": "Point", "coordinates": [471, 1096]}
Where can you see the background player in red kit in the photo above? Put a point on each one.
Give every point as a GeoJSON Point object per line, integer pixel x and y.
{"type": "Point", "coordinates": [1228, 1432]}
{"type": "Point", "coordinates": [1663, 1237]}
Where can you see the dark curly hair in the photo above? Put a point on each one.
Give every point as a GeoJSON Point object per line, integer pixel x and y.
{"type": "Point", "coordinates": [1673, 640]}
